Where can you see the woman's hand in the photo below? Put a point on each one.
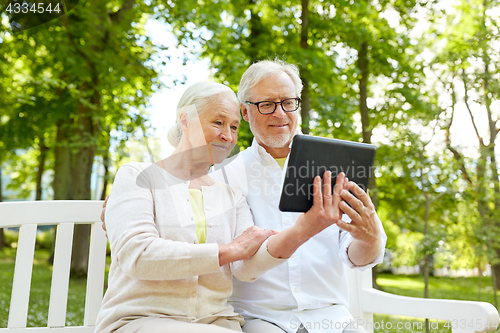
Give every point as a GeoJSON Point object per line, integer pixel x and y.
{"type": "Point", "coordinates": [103, 215]}
{"type": "Point", "coordinates": [245, 246]}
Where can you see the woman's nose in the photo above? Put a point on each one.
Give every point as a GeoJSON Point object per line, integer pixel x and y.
{"type": "Point", "coordinates": [225, 134]}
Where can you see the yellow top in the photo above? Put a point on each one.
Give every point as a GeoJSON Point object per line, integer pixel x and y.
{"type": "Point", "coordinates": [199, 214]}
{"type": "Point", "coordinates": [281, 162]}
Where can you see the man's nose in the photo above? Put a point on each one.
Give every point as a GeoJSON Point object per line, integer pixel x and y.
{"type": "Point", "coordinates": [279, 112]}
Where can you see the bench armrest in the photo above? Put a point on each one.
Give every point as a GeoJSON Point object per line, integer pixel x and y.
{"type": "Point", "coordinates": [463, 316]}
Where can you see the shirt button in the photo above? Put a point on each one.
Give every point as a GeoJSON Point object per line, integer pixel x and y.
{"type": "Point", "coordinates": [194, 294]}
{"type": "Point", "coordinates": [287, 222]}
{"type": "Point", "coordinates": [207, 208]}
{"type": "Point", "coordinates": [295, 290]}
{"type": "Point", "coordinates": [210, 225]}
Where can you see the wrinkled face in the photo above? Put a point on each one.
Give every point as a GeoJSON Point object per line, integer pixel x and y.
{"type": "Point", "coordinates": [216, 128]}
{"type": "Point", "coordinates": [274, 130]}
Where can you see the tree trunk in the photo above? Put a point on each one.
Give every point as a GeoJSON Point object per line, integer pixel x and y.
{"type": "Point", "coordinates": [306, 103]}
{"type": "Point", "coordinates": [494, 283]}
{"type": "Point", "coordinates": [479, 282]}
{"type": "Point", "coordinates": [83, 159]}
{"type": "Point", "coordinates": [256, 28]}
{"type": "Point", "coordinates": [105, 161]}
{"type": "Point", "coordinates": [306, 97]}
{"type": "Point", "coordinates": [487, 94]}
{"type": "Point", "coordinates": [41, 167]}
{"type": "Point", "coordinates": [362, 65]}
{"type": "Point", "coordinates": [62, 169]}
{"type": "Point", "coordinates": [426, 257]}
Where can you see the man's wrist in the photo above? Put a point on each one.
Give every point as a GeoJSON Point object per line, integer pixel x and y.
{"type": "Point", "coordinates": [363, 253]}
{"type": "Point", "coordinates": [300, 231]}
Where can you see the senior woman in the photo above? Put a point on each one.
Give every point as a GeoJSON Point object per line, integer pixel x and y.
{"type": "Point", "coordinates": [177, 236]}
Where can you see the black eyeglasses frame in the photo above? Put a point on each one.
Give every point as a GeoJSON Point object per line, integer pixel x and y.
{"type": "Point", "coordinates": [298, 99]}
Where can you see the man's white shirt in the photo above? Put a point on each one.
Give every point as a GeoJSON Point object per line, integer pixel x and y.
{"type": "Point", "coordinates": [311, 287]}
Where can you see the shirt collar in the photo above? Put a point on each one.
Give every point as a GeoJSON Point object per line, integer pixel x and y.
{"type": "Point", "coordinates": [260, 152]}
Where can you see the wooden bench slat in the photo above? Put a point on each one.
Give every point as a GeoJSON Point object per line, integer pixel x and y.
{"type": "Point", "coordinates": [21, 284]}
{"type": "Point", "coordinates": [60, 275]}
{"type": "Point", "coordinates": [95, 275]}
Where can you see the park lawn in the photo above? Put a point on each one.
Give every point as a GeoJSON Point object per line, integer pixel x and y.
{"type": "Point", "coordinates": [439, 287]}
{"type": "Point", "coordinates": [40, 291]}
{"type": "Point", "coordinates": [451, 288]}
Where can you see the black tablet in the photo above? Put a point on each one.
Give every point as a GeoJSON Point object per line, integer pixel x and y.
{"type": "Point", "coordinates": [311, 156]}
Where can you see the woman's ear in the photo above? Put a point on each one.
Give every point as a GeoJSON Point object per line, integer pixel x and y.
{"type": "Point", "coordinates": [183, 120]}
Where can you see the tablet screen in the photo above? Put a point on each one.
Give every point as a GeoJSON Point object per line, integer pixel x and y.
{"type": "Point", "coordinates": [311, 156]}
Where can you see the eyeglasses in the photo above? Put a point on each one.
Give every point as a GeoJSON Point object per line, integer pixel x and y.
{"type": "Point", "coordinates": [268, 107]}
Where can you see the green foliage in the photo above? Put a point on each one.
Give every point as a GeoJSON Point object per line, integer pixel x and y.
{"type": "Point", "coordinates": [10, 238]}
{"type": "Point", "coordinates": [406, 253]}
{"type": "Point", "coordinates": [44, 240]}
{"type": "Point", "coordinates": [392, 231]}
{"type": "Point", "coordinates": [20, 169]}
{"type": "Point", "coordinates": [97, 63]}
{"type": "Point", "coordinates": [87, 74]}
{"type": "Point", "coordinates": [466, 66]}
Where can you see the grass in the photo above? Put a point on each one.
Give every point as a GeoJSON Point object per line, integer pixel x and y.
{"type": "Point", "coordinates": [40, 291]}
{"type": "Point", "coordinates": [439, 287]}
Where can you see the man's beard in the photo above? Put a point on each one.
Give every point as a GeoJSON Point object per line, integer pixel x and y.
{"type": "Point", "coordinates": [272, 140]}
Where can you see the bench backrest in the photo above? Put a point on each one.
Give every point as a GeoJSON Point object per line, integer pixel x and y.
{"type": "Point", "coordinates": [64, 215]}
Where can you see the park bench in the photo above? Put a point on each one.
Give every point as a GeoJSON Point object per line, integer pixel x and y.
{"type": "Point", "coordinates": [463, 316]}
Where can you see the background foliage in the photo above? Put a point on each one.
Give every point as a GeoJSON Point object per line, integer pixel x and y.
{"type": "Point", "coordinates": [73, 95]}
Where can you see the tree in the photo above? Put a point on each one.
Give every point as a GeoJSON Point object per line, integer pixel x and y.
{"type": "Point", "coordinates": [95, 76]}
{"type": "Point", "coordinates": [468, 67]}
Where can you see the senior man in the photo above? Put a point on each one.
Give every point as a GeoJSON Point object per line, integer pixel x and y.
{"type": "Point", "coordinates": [308, 293]}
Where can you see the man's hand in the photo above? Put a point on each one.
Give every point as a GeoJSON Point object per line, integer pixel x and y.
{"type": "Point", "coordinates": [364, 227]}
{"type": "Point", "coordinates": [103, 213]}
{"type": "Point", "coordinates": [325, 210]}
{"type": "Point", "coordinates": [245, 246]}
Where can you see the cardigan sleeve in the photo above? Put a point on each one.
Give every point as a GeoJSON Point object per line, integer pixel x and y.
{"type": "Point", "coordinates": [134, 238]}
{"type": "Point", "coordinates": [249, 270]}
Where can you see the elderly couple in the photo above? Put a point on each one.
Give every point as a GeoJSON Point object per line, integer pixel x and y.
{"type": "Point", "coordinates": [179, 233]}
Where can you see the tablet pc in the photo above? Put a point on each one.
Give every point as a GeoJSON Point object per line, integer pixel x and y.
{"type": "Point", "coordinates": [311, 156]}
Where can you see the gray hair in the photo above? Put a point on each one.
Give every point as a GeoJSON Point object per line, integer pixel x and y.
{"type": "Point", "coordinates": [264, 69]}
{"type": "Point", "coordinates": [194, 101]}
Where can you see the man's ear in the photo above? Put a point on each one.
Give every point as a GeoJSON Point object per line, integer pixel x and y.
{"type": "Point", "coordinates": [244, 111]}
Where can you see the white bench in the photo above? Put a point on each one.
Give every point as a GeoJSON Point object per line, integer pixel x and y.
{"type": "Point", "coordinates": [364, 300]}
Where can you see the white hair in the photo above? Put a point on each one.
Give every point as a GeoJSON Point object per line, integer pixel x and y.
{"type": "Point", "coordinates": [264, 69]}
{"type": "Point", "coordinates": [194, 101]}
